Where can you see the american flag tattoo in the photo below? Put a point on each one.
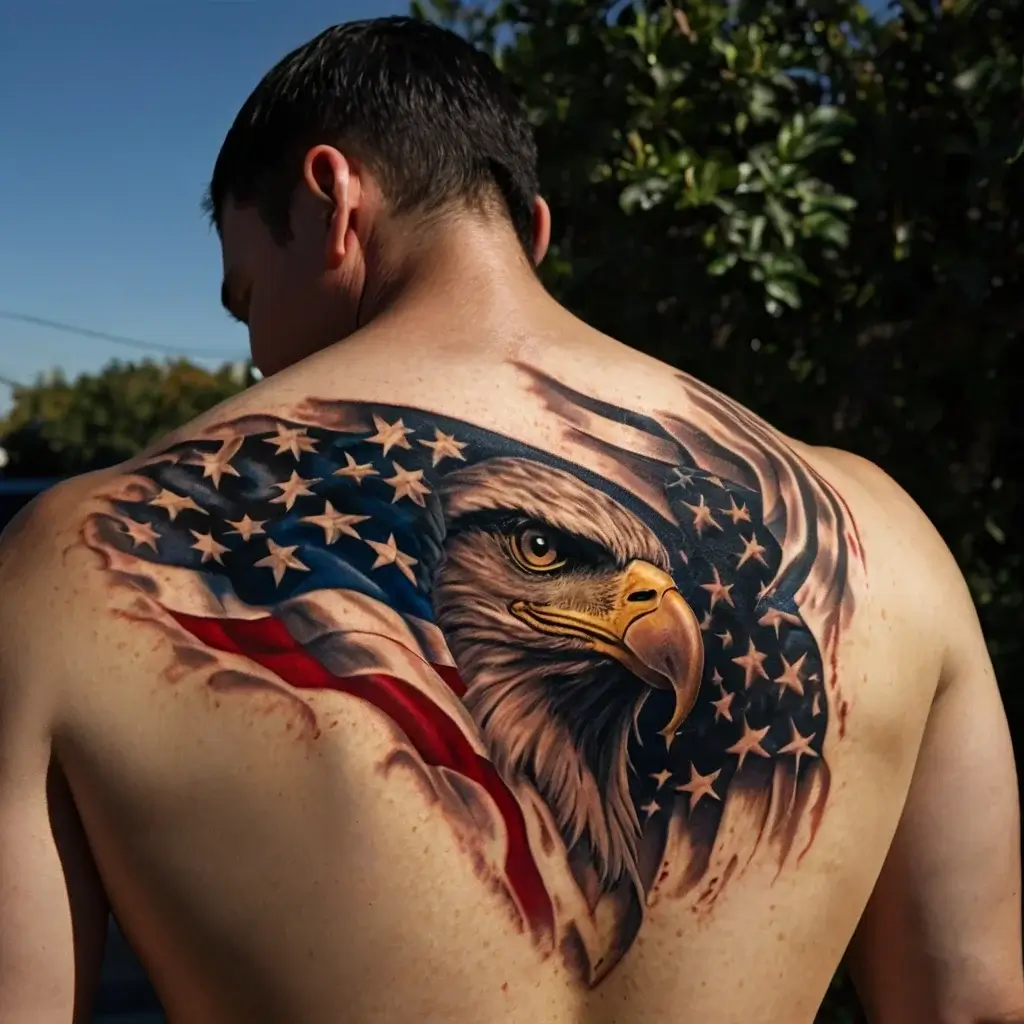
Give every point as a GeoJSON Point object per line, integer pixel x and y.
{"type": "Point", "coordinates": [527, 621]}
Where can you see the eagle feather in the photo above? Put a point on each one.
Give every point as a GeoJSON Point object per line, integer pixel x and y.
{"type": "Point", "coordinates": [552, 710]}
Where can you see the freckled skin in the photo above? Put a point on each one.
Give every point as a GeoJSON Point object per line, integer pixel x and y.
{"type": "Point", "coordinates": [408, 765]}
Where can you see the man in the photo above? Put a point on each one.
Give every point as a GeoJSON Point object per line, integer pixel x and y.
{"type": "Point", "coordinates": [473, 667]}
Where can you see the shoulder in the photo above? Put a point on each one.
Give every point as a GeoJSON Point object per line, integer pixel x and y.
{"type": "Point", "coordinates": [864, 492]}
{"type": "Point", "coordinates": [43, 602]}
{"type": "Point", "coordinates": [53, 574]}
{"type": "Point", "coordinates": [882, 500]}
{"type": "Point", "coordinates": [911, 565]}
{"type": "Point", "coordinates": [38, 540]}
{"type": "Point", "coordinates": [41, 564]}
{"type": "Point", "coordinates": [31, 543]}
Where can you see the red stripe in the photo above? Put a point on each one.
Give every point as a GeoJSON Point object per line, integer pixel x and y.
{"type": "Point", "coordinates": [435, 736]}
{"type": "Point", "coordinates": [451, 676]}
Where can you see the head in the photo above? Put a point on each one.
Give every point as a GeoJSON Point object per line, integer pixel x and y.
{"type": "Point", "coordinates": [559, 609]}
{"type": "Point", "coordinates": [375, 140]}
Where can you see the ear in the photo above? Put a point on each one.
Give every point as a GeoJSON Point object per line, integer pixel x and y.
{"type": "Point", "coordinates": [541, 229]}
{"type": "Point", "coordinates": [330, 177]}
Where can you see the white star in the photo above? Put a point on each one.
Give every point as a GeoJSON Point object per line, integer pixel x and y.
{"type": "Point", "coordinates": [661, 777]}
{"type": "Point", "coordinates": [217, 464]}
{"type": "Point", "coordinates": [752, 664]}
{"type": "Point", "coordinates": [774, 617]}
{"type": "Point", "coordinates": [141, 533]}
{"type": "Point", "coordinates": [749, 743]}
{"type": "Point", "coordinates": [752, 548]}
{"type": "Point", "coordinates": [174, 503]}
{"type": "Point", "coordinates": [736, 513]}
{"type": "Point", "coordinates": [723, 706]}
{"type": "Point", "coordinates": [246, 528]}
{"type": "Point", "coordinates": [291, 439]}
{"type": "Point", "coordinates": [702, 516]}
{"type": "Point", "coordinates": [791, 677]}
{"type": "Point", "coordinates": [280, 560]}
{"type": "Point", "coordinates": [209, 547]}
{"type": "Point", "coordinates": [390, 435]}
{"type": "Point", "coordinates": [334, 523]}
{"type": "Point", "coordinates": [650, 809]}
{"type": "Point", "coordinates": [681, 479]}
{"type": "Point", "coordinates": [799, 746]}
{"type": "Point", "coordinates": [700, 786]}
{"type": "Point", "coordinates": [408, 483]}
{"type": "Point", "coordinates": [294, 487]}
{"type": "Point", "coordinates": [354, 470]}
{"type": "Point", "coordinates": [718, 590]}
{"type": "Point", "coordinates": [444, 447]}
{"type": "Point", "coordinates": [388, 554]}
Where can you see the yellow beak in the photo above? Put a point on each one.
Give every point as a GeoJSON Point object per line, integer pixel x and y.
{"type": "Point", "coordinates": [650, 629]}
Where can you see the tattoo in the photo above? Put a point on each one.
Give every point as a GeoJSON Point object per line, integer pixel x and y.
{"type": "Point", "coordinates": [612, 663]}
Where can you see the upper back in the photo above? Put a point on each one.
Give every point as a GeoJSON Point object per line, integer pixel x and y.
{"type": "Point", "coordinates": [552, 662]}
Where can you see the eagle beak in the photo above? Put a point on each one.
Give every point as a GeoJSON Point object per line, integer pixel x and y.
{"type": "Point", "coordinates": [650, 629]}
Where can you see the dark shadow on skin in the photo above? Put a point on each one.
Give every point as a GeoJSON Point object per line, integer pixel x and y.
{"type": "Point", "coordinates": [123, 992]}
{"type": "Point", "coordinates": [125, 995]}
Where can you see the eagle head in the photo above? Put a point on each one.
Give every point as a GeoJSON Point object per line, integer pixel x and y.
{"type": "Point", "coordinates": [558, 607]}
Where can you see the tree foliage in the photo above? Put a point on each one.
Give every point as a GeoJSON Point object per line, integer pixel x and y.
{"type": "Point", "coordinates": [59, 427]}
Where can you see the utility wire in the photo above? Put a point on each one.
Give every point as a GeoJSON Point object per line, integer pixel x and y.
{"type": "Point", "coordinates": [114, 339]}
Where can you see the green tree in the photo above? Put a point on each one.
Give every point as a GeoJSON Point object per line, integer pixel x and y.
{"type": "Point", "coordinates": [815, 210]}
{"type": "Point", "coordinates": [59, 427]}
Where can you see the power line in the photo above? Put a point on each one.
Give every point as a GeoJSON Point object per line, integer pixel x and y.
{"type": "Point", "coordinates": [114, 339]}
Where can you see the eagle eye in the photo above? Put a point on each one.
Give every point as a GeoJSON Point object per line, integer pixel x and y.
{"type": "Point", "coordinates": [536, 548]}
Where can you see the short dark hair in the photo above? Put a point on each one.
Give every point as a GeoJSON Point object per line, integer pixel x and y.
{"type": "Point", "coordinates": [428, 113]}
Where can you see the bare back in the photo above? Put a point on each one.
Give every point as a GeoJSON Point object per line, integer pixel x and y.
{"type": "Point", "coordinates": [520, 691]}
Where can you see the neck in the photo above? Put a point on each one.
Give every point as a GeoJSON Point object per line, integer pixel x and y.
{"type": "Point", "coordinates": [473, 274]}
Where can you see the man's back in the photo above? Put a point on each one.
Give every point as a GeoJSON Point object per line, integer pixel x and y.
{"type": "Point", "coordinates": [544, 685]}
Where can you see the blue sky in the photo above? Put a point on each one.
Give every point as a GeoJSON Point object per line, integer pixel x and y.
{"type": "Point", "coordinates": [112, 113]}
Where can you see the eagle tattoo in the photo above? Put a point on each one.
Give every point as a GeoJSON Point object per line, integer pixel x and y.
{"type": "Point", "coordinates": [594, 655]}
